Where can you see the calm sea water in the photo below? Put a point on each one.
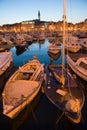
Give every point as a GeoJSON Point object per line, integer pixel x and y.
{"type": "Point", "coordinates": [34, 49]}
{"type": "Point", "coordinates": [46, 116]}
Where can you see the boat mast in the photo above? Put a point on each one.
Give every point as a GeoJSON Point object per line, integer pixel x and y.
{"type": "Point", "coordinates": [63, 44]}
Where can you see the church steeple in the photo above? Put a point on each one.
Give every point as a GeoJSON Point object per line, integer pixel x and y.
{"type": "Point", "coordinates": [39, 15]}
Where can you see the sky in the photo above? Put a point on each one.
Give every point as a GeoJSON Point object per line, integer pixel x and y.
{"type": "Point", "coordinates": [15, 11]}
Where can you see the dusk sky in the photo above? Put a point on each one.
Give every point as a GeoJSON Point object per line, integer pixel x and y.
{"type": "Point", "coordinates": [15, 11]}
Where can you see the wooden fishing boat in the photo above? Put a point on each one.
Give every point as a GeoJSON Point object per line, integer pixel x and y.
{"type": "Point", "coordinates": [61, 88]}
{"type": "Point", "coordinates": [22, 88]}
{"type": "Point", "coordinates": [5, 61]}
{"type": "Point", "coordinates": [79, 66]}
{"type": "Point", "coordinates": [54, 56]}
{"type": "Point", "coordinates": [68, 97]}
{"type": "Point", "coordinates": [72, 44]}
{"type": "Point", "coordinates": [54, 49]}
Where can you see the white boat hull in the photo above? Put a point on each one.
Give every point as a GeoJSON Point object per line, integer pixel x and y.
{"type": "Point", "coordinates": [5, 61]}
{"type": "Point", "coordinates": [77, 69]}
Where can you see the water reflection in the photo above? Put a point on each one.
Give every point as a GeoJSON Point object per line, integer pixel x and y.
{"type": "Point", "coordinates": [54, 57]}
{"type": "Point", "coordinates": [21, 49]}
{"type": "Point", "coordinates": [34, 49]}
{"type": "Point", "coordinates": [46, 114]}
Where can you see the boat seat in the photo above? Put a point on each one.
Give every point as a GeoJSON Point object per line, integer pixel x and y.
{"type": "Point", "coordinates": [26, 71]}
{"type": "Point", "coordinates": [36, 73]}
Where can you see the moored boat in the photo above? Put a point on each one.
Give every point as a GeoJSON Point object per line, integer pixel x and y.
{"type": "Point", "coordinates": [54, 56]}
{"type": "Point", "coordinates": [72, 44]}
{"type": "Point", "coordinates": [62, 89]}
{"type": "Point", "coordinates": [5, 61]}
{"type": "Point", "coordinates": [67, 97]}
{"type": "Point", "coordinates": [22, 88]}
{"type": "Point", "coordinates": [54, 49]}
{"type": "Point", "coordinates": [79, 66]}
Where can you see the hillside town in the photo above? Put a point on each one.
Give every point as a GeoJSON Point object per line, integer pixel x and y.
{"type": "Point", "coordinates": [37, 29]}
{"type": "Point", "coordinates": [39, 25]}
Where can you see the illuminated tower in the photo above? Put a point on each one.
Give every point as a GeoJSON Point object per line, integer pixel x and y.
{"type": "Point", "coordinates": [39, 15]}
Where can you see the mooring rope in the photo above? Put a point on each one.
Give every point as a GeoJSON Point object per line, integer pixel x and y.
{"type": "Point", "coordinates": [33, 113]}
{"type": "Point", "coordinates": [60, 118]}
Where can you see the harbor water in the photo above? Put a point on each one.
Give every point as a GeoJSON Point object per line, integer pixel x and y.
{"type": "Point", "coordinates": [45, 116]}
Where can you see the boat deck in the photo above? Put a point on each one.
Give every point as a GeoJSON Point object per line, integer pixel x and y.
{"type": "Point", "coordinates": [59, 96]}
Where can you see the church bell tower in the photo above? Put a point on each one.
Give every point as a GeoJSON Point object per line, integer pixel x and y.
{"type": "Point", "coordinates": [39, 15]}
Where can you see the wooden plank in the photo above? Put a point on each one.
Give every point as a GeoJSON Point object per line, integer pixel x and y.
{"type": "Point", "coordinates": [61, 92]}
{"type": "Point", "coordinates": [26, 71]}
